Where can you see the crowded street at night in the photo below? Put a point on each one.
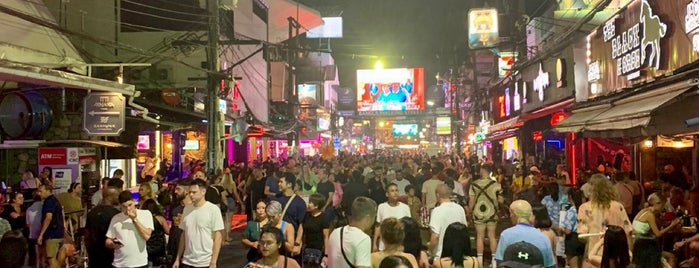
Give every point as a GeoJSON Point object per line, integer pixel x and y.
{"type": "Point", "coordinates": [343, 134]}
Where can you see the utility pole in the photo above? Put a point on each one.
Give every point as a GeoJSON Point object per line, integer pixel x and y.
{"type": "Point", "coordinates": [214, 162]}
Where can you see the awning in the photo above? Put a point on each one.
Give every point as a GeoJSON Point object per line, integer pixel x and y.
{"type": "Point", "coordinates": [514, 122]}
{"type": "Point", "coordinates": [630, 115]}
{"type": "Point", "coordinates": [501, 135]}
{"type": "Point", "coordinates": [19, 72]}
{"type": "Point", "coordinates": [548, 110]}
{"type": "Point", "coordinates": [108, 144]}
{"type": "Point", "coordinates": [28, 42]}
{"type": "Point", "coordinates": [576, 121]}
{"type": "Point", "coordinates": [635, 111]}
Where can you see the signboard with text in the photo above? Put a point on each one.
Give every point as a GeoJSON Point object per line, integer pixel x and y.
{"type": "Point", "coordinates": [645, 40]}
{"type": "Point", "coordinates": [103, 114]}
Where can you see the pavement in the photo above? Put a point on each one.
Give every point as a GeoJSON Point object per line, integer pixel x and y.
{"type": "Point", "coordinates": [233, 255]}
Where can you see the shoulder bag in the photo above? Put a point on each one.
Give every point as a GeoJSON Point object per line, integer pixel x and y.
{"type": "Point", "coordinates": [342, 248]}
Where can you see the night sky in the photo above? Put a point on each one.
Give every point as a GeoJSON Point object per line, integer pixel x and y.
{"type": "Point", "coordinates": [401, 33]}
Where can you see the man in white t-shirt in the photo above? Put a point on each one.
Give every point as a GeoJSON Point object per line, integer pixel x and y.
{"type": "Point", "coordinates": [401, 182]}
{"type": "Point", "coordinates": [446, 213]}
{"type": "Point", "coordinates": [201, 226]}
{"type": "Point", "coordinates": [128, 232]}
{"type": "Point", "coordinates": [389, 209]}
{"type": "Point", "coordinates": [350, 246]}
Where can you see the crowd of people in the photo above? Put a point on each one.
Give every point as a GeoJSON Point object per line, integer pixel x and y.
{"type": "Point", "coordinates": [385, 210]}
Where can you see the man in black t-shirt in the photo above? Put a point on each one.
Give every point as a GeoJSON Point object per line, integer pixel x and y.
{"type": "Point", "coordinates": [98, 220]}
{"type": "Point", "coordinates": [355, 188]}
{"type": "Point", "coordinates": [327, 190]}
{"type": "Point", "coordinates": [316, 230]}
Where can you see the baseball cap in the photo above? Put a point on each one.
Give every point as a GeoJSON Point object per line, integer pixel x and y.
{"type": "Point", "coordinates": [522, 255]}
{"type": "Point", "coordinates": [534, 169]}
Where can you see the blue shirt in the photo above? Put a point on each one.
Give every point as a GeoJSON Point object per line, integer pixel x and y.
{"type": "Point", "coordinates": [553, 209]}
{"type": "Point", "coordinates": [56, 227]}
{"type": "Point", "coordinates": [273, 185]}
{"type": "Point", "coordinates": [570, 220]}
{"type": "Point", "coordinates": [525, 232]}
{"type": "Point", "coordinates": [296, 212]}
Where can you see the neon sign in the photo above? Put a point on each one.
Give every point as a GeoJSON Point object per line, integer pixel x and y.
{"type": "Point", "coordinates": [507, 101]}
{"type": "Point", "coordinates": [541, 82]}
{"type": "Point", "coordinates": [517, 104]}
{"type": "Point", "coordinates": [629, 48]}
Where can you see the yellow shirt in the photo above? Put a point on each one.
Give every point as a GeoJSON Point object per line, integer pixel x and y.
{"type": "Point", "coordinates": [520, 183]}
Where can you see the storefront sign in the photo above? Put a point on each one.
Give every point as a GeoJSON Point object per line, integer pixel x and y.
{"type": "Point", "coordinates": [505, 63]}
{"type": "Point", "coordinates": [507, 102]}
{"type": "Point", "coordinates": [501, 105]}
{"type": "Point", "coordinates": [103, 114]}
{"type": "Point", "coordinates": [561, 72]}
{"type": "Point", "coordinates": [58, 156]}
{"type": "Point", "coordinates": [482, 28]}
{"type": "Point", "coordinates": [478, 137]}
{"type": "Point", "coordinates": [558, 117]}
{"type": "Point", "coordinates": [517, 99]}
{"type": "Point", "coordinates": [645, 40]}
{"type": "Point", "coordinates": [537, 136]}
{"type": "Point", "coordinates": [541, 82]}
{"type": "Point", "coordinates": [593, 71]}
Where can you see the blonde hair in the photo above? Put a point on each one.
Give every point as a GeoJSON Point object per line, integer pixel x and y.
{"type": "Point", "coordinates": [227, 182]}
{"type": "Point", "coordinates": [655, 199]}
{"type": "Point", "coordinates": [149, 189]}
{"type": "Point", "coordinates": [603, 191]}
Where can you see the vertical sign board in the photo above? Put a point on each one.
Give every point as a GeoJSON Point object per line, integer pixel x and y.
{"type": "Point", "coordinates": [482, 28]}
{"type": "Point", "coordinates": [103, 114]}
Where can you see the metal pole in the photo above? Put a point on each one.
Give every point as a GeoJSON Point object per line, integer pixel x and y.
{"type": "Point", "coordinates": [213, 148]}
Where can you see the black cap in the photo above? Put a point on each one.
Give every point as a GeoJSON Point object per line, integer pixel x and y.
{"type": "Point", "coordinates": [522, 255]}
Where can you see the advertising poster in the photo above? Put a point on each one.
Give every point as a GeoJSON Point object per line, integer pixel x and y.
{"type": "Point", "coordinates": [307, 94]}
{"type": "Point", "coordinates": [346, 101]}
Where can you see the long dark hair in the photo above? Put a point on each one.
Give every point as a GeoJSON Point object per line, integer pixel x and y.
{"type": "Point", "coordinates": [153, 207]}
{"type": "Point", "coordinates": [615, 253]}
{"type": "Point", "coordinates": [575, 195]}
{"type": "Point", "coordinates": [541, 217]}
{"type": "Point", "coordinates": [395, 261]}
{"type": "Point", "coordinates": [411, 242]}
{"type": "Point", "coordinates": [456, 244]}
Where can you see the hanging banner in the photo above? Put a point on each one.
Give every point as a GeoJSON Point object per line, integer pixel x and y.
{"type": "Point", "coordinates": [602, 152]}
{"type": "Point", "coordinates": [482, 28]}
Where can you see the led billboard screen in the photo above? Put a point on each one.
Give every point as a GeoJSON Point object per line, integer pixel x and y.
{"type": "Point", "coordinates": [404, 130]}
{"type": "Point", "coordinates": [307, 94]}
{"type": "Point", "coordinates": [383, 90]}
{"type": "Point", "coordinates": [443, 126]}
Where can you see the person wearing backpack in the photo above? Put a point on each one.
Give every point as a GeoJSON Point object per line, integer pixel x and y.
{"type": "Point", "coordinates": [485, 196]}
